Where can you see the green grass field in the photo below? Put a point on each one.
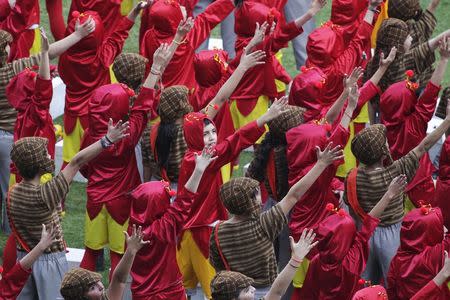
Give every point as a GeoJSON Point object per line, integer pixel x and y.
{"type": "Point", "coordinates": [73, 222]}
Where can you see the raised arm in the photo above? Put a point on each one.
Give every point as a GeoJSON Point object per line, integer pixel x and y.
{"type": "Point", "coordinates": [353, 97]}
{"type": "Point", "coordinates": [161, 59]}
{"type": "Point", "coordinates": [433, 5]}
{"type": "Point", "coordinates": [115, 133]}
{"type": "Point", "coordinates": [444, 51]}
{"type": "Point", "coordinates": [247, 62]}
{"type": "Point", "coordinates": [119, 279]}
{"type": "Point", "coordinates": [324, 159]}
{"type": "Point", "coordinates": [396, 187]}
{"type": "Point", "coordinates": [183, 29]}
{"type": "Point", "coordinates": [134, 13]}
{"type": "Point", "coordinates": [384, 65]}
{"type": "Point", "coordinates": [298, 252]}
{"type": "Point", "coordinates": [275, 110]}
{"type": "Point", "coordinates": [81, 31]}
{"type": "Point", "coordinates": [315, 7]}
{"type": "Point", "coordinates": [201, 163]}
{"type": "Point", "coordinates": [44, 64]}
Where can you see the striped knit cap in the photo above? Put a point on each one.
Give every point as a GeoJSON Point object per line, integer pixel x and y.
{"type": "Point", "coordinates": [404, 9]}
{"type": "Point", "coordinates": [393, 32]}
{"type": "Point", "coordinates": [129, 68]}
{"type": "Point", "coordinates": [30, 155]}
{"type": "Point", "coordinates": [238, 196]}
{"type": "Point", "coordinates": [226, 284]}
{"type": "Point", "coordinates": [287, 120]}
{"type": "Point", "coordinates": [369, 145]}
{"type": "Point", "coordinates": [174, 103]}
{"type": "Point", "coordinates": [5, 39]}
{"type": "Point", "coordinates": [77, 282]}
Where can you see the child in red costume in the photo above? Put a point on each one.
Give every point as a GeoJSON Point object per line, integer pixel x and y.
{"type": "Point", "coordinates": [334, 272]}
{"type": "Point", "coordinates": [420, 255]}
{"type": "Point", "coordinates": [30, 94]}
{"type": "Point", "coordinates": [12, 281]}
{"type": "Point", "coordinates": [115, 172]}
{"type": "Point", "coordinates": [161, 224]}
{"type": "Point", "coordinates": [164, 18]}
{"type": "Point", "coordinates": [85, 67]}
{"type": "Point", "coordinates": [199, 131]}
{"type": "Point", "coordinates": [406, 119]}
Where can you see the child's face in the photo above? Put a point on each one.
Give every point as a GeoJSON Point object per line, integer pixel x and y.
{"type": "Point", "coordinates": [95, 291]}
{"type": "Point", "coordinates": [407, 43]}
{"type": "Point", "coordinates": [209, 135]}
{"type": "Point", "coordinates": [247, 293]}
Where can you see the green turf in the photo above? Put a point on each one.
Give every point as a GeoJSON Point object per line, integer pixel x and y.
{"type": "Point", "coordinates": [73, 222]}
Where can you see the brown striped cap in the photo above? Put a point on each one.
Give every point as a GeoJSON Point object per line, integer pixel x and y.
{"type": "Point", "coordinates": [404, 9]}
{"type": "Point", "coordinates": [174, 103]}
{"type": "Point", "coordinates": [369, 145]}
{"type": "Point", "coordinates": [238, 196]}
{"type": "Point", "coordinates": [226, 284]}
{"type": "Point", "coordinates": [77, 282]}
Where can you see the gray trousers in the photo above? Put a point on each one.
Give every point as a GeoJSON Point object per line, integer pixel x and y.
{"type": "Point", "coordinates": [226, 29]}
{"type": "Point", "coordinates": [6, 142]}
{"type": "Point", "coordinates": [293, 10]}
{"type": "Point", "coordinates": [46, 276]}
{"type": "Point", "coordinates": [383, 246]}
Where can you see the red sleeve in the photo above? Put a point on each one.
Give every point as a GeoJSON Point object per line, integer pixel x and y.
{"type": "Point", "coordinates": [231, 147]}
{"type": "Point", "coordinates": [139, 114]}
{"type": "Point", "coordinates": [366, 93]}
{"type": "Point", "coordinates": [425, 107]}
{"type": "Point", "coordinates": [17, 21]}
{"type": "Point", "coordinates": [12, 283]}
{"type": "Point", "coordinates": [113, 44]}
{"type": "Point", "coordinates": [352, 56]}
{"type": "Point", "coordinates": [282, 36]}
{"type": "Point", "coordinates": [430, 291]}
{"type": "Point", "coordinates": [206, 21]}
{"type": "Point", "coordinates": [55, 16]}
{"type": "Point", "coordinates": [355, 260]}
{"type": "Point", "coordinates": [145, 24]}
{"type": "Point", "coordinates": [41, 100]}
{"type": "Point", "coordinates": [168, 227]}
{"type": "Point", "coordinates": [339, 136]}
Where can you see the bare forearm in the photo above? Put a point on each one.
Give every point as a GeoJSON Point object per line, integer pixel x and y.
{"type": "Point", "coordinates": [31, 257]}
{"type": "Point", "coordinates": [379, 208]}
{"type": "Point", "coordinates": [301, 187]}
{"type": "Point", "coordinates": [305, 18]}
{"type": "Point", "coordinates": [282, 282]}
{"type": "Point", "coordinates": [86, 155]}
{"type": "Point", "coordinates": [153, 77]}
{"type": "Point", "coordinates": [333, 112]}
{"type": "Point", "coordinates": [61, 46]}
{"type": "Point", "coordinates": [433, 5]}
{"type": "Point", "coordinates": [439, 72]}
{"type": "Point", "coordinates": [44, 66]}
{"type": "Point", "coordinates": [378, 75]}
{"type": "Point", "coordinates": [347, 117]}
{"type": "Point", "coordinates": [432, 138]}
{"type": "Point", "coordinates": [194, 181]}
{"type": "Point", "coordinates": [123, 268]}
{"type": "Point", "coordinates": [440, 278]}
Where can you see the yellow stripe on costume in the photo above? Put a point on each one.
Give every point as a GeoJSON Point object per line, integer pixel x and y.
{"type": "Point", "coordinates": [300, 275]}
{"type": "Point", "coordinates": [126, 6]}
{"type": "Point", "coordinates": [72, 141]}
{"type": "Point", "coordinates": [383, 16]}
{"type": "Point", "coordinates": [111, 75]}
{"type": "Point", "coordinates": [36, 47]}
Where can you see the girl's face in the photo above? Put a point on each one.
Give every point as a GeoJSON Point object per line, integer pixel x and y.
{"type": "Point", "coordinates": [407, 43]}
{"type": "Point", "coordinates": [95, 291]}
{"type": "Point", "coordinates": [209, 135]}
{"type": "Point", "coordinates": [247, 293]}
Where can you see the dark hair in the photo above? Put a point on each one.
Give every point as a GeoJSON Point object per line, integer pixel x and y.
{"type": "Point", "coordinates": [28, 172]}
{"type": "Point", "coordinates": [258, 165]}
{"type": "Point", "coordinates": [226, 297]}
{"type": "Point", "coordinates": [164, 140]}
{"type": "Point", "coordinates": [206, 122]}
{"type": "Point", "coordinates": [238, 3]}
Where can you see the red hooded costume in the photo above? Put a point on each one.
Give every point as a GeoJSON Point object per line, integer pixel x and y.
{"type": "Point", "coordinates": [420, 255]}
{"type": "Point", "coordinates": [155, 271]}
{"type": "Point", "coordinates": [207, 208]}
{"type": "Point", "coordinates": [374, 292]}
{"type": "Point", "coordinates": [165, 16]}
{"type": "Point", "coordinates": [85, 66]}
{"type": "Point", "coordinates": [31, 96]}
{"type": "Point", "coordinates": [13, 282]}
{"type": "Point", "coordinates": [335, 271]}
{"type": "Point", "coordinates": [301, 157]}
{"type": "Point", "coordinates": [443, 183]}
{"type": "Point", "coordinates": [114, 172]}
{"type": "Point", "coordinates": [406, 119]}
{"type": "Point", "coordinates": [261, 79]}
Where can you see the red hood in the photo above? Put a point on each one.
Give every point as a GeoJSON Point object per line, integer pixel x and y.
{"type": "Point", "coordinates": [325, 44]}
{"type": "Point", "coordinates": [396, 103]}
{"type": "Point", "coordinates": [250, 13]}
{"type": "Point", "coordinates": [210, 66]}
{"type": "Point", "coordinates": [193, 130]}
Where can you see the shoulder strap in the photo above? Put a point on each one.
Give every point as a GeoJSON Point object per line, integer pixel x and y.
{"type": "Point", "coordinates": [22, 243]}
{"type": "Point", "coordinates": [352, 194]}
{"type": "Point", "coordinates": [271, 176]}
{"type": "Point", "coordinates": [216, 239]}
{"type": "Point", "coordinates": [153, 137]}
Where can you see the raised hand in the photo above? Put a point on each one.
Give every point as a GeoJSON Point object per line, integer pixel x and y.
{"type": "Point", "coordinates": [136, 241]}
{"type": "Point", "coordinates": [444, 48]}
{"type": "Point", "coordinates": [45, 45]}
{"type": "Point", "coordinates": [353, 96]}
{"type": "Point", "coordinates": [258, 37]}
{"type": "Point", "coordinates": [397, 186]}
{"type": "Point", "coordinates": [317, 5]}
{"type": "Point", "coordinates": [278, 107]}
{"type": "Point", "coordinates": [161, 57]}
{"type": "Point", "coordinates": [118, 131]}
{"type": "Point", "coordinates": [385, 62]}
{"type": "Point", "coordinates": [203, 160]}
{"type": "Point", "coordinates": [304, 244]}
{"type": "Point", "coordinates": [137, 9]}
{"type": "Point", "coordinates": [86, 28]}
{"type": "Point", "coordinates": [253, 59]}
{"type": "Point", "coordinates": [354, 77]}
{"type": "Point", "coordinates": [184, 27]}
{"type": "Point", "coordinates": [48, 237]}
{"type": "Point", "coordinates": [329, 154]}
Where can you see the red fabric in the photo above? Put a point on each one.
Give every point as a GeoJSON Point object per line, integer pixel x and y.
{"type": "Point", "coordinates": [5, 9]}
{"type": "Point", "coordinates": [56, 19]}
{"type": "Point", "coordinates": [420, 255]}
{"type": "Point", "coordinates": [210, 66]}
{"type": "Point", "coordinates": [161, 224]}
{"type": "Point", "coordinates": [301, 157]}
{"type": "Point", "coordinates": [164, 17]}
{"type": "Point", "coordinates": [335, 69]}
{"type": "Point", "coordinates": [9, 254]}
{"type": "Point", "coordinates": [109, 12]}
{"type": "Point", "coordinates": [271, 176]}
{"type": "Point", "coordinates": [334, 272]}
{"type": "Point", "coordinates": [443, 183]}
{"type": "Point", "coordinates": [348, 15]}
{"type": "Point", "coordinates": [352, 194]}
{"type": "Point", "coordinates": [85, 66]}
{"type": "Point", "coordinates": [406, 119]}
{"type": "Point", "coordinates": [207, 208]}
{"type": "Point", "coordinates": [374, 292]}
{"type": "Point", "coordinates": [114, 171]}
{"type": "Point", "coordinates": [430, 291]}
{"type": "Point", "coordinates": [325, 44]}
{"type": "Point", "coordinates": [115, 259]}
{"type": "Point", "coordinates": [89, 261]}
{"type": "Point", "coordinates": [12, 282]}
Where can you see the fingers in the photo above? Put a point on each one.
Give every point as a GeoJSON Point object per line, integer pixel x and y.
{"type": "Point", "coordinates": [291, 241]}
{"type": "Point", "coordinates": [127, 236]}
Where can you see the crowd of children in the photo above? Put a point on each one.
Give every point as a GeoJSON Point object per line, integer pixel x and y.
{"type": "Point", "coordinates": [341, 200]}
